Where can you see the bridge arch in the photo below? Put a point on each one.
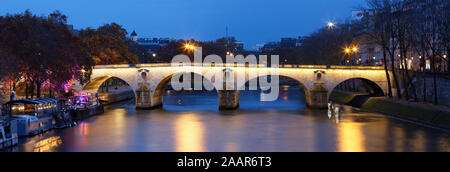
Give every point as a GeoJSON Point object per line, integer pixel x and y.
{"type": "Point", "coordinates": [373, 88]}
{"type": "Point", "coordinates": [158, 94]}
{"type": "Point", "coordinates": [95, 84]}
{"type": "Point", "coordinates": [119, 93]}
{"type": "Point", "coordinates": [299, 83]}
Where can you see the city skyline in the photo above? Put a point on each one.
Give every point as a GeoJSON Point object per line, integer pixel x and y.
{"type": "Point", "coordinates": [199, 19]}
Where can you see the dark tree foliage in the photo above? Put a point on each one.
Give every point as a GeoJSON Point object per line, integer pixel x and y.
{"type": "Point", "coordinates": [38, 49]}
{"type": "Point", "coordinates": [323, 47]}
{"type": "Point", "coordinates": [42, 51]}
{"type": "Point", "coordinates": [108, 45]}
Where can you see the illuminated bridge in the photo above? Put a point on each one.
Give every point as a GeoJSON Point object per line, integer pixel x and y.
{"type": "Point", "coordinates": [149, 81]}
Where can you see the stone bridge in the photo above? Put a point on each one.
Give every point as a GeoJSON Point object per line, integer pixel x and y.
{"type": "Point", "coordinates": [149, 81]}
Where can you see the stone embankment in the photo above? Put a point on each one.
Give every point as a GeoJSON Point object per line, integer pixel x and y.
{"type": "Point", "coordinates": [421, 113]}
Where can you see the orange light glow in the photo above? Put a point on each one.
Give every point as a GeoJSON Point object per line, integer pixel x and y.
{"type": "Point", "coordinates": [347, 50]}
{"type": "Point", "coordinates": [189, 46]}
{"type": "Point", "coordinates": [351, 138]}
{"type": "Point", "coordinates": [189, 134]}
{"type": "Point", "coordinates": [47, 144]}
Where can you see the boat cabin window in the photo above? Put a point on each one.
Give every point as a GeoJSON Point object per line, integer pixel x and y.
{"type": "Point", "coordinates": [37, 107]}
{"type": "Point", "coordinates": [83, 99]}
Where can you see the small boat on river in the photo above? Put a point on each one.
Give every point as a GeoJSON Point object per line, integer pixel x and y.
{"type": "Point", "coordinates": [33, 116]}
{"type": "Point", "coordinates": [84, 104]}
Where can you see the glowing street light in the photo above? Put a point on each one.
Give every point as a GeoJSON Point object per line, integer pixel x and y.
{"type": "Point", "coordinates": [347, 50]}
{"type": "Point", "coordinates": [154, 54]}
{"type": "Point", "coordinates": [189, 46]}
{"type": "Point", "coordinates": [331, 25]}
{"type": "Point", "coordinates": [355, 49]}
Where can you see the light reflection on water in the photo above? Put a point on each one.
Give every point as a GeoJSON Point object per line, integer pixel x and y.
{"type": "Point", "coordinates": [47, 144]}
{"type": "Point", "coordinates": [190, 122]}
{"type": "Point", "coordinates": [350, 137]}
{"type": "Point", "coordinates": [189, 134]}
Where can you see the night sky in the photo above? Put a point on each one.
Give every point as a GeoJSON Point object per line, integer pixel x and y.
{"type": "Point", "coordinates": [250, 21]}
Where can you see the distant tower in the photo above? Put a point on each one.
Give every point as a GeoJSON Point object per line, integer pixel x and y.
{"type": "Point", "coordinates": [134, 36]}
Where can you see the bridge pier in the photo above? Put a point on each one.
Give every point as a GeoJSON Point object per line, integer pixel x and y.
{"type": "Point", "coordinates": [143, 97]}
{"type": "Point", "coordinates": [228, 99]}
{"type": "Point", "coordinates": [318, 98]}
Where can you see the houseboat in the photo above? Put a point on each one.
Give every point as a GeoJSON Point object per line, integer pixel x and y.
{"type": "Point", "coordinates": [85, 104]}
{"type": "Point", "coordinates": [33, 116]}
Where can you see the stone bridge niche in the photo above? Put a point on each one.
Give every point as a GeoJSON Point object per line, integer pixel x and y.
{"type": "Point", "coordinates": [285, 82]}
{"type": "Point", "coordinates": [110, 89]}
{"type": "Point", "coordinates": [358, 86]}
{"type": "Point", "coordinates": [157, 96]}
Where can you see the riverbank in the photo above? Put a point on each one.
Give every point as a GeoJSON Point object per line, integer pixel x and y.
{"type": "Point", "coordinates": [419, 113]}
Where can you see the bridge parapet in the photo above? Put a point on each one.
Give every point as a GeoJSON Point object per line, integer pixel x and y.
{"type": "Point", "coordinates": [242, 65]}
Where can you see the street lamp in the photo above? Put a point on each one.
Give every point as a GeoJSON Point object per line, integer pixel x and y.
{"type": "Point", "coordinates": [189, 46]}
{"type": "Point", "coordinates": [351, 51]}
{"type": "Point", "coordinates": [347, 50]}
{"type": "Point", "coordinates": [330, 25]}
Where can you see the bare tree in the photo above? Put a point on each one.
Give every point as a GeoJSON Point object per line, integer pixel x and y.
{"type": "Point", "coordinates": [403, 26]}
{"type": "Point", "coordinates": [444, 30]}
{"type": "Point", "coordinates": [381, 28]}
{"type": "Point", "coordinates": [432, 40]}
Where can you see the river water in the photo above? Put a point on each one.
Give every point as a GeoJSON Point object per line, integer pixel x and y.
{"type": "Point", "coordinates": [191, 122]}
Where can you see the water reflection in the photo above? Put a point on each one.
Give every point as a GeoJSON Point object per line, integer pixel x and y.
{"type": "Point", "coordinates": [335, 110]}
{"type": "Point", "coordinates": [189, 134]}
{"type": "Point", "coordinates": [47, 144]}
{"type": "Point", "coordinates": [191, 122]}
{"type": "Point", "coordinates": [351, 138]}
{"type": "Point", "coordinates": [420, 141]}
{"type": "Point", "coordinates": [83, 129]}
{"type": "Point", "coordinates": [349, 134]}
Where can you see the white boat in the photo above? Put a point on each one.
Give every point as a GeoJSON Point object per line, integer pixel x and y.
{"type": "Point", "coordinates": [33, 116]}
{"type": "Point", "coordinates": [28, 125]}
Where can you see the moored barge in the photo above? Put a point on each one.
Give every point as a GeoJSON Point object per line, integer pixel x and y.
{"type": "Point", "coordinates": [84, 104]}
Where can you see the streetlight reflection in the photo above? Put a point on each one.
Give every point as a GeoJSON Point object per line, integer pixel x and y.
{"type": "Point", "coordinates": [189, 134]}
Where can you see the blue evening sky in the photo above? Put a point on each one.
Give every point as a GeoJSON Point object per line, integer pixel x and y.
{"type": "Point", "coordinates": [250, 21]}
